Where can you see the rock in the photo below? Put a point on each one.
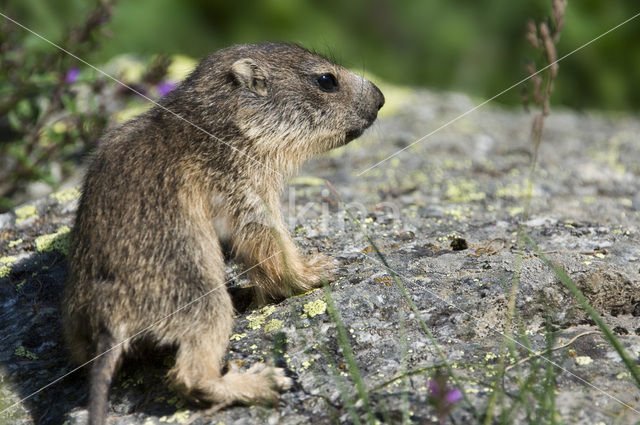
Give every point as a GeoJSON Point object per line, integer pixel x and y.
{"type": "Point", "coordinates": [467, 182]}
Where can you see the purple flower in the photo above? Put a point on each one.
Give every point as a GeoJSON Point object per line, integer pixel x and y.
{"type": "Point", "coordinates": [440, 393]}
{"type": "Point", "coordinates": [453, 396]}
{"type": "Point", "coordinates": [165, 87]}
{"type": "Point", "coordinates": [72, 75]}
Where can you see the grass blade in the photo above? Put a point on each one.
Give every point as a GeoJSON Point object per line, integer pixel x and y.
{"type": "Point", "coordinates": [632, 367]}
{"type": "Point", "coordinates": [343, 340]}
{"type": "Point", "coordinates": [409, 301]}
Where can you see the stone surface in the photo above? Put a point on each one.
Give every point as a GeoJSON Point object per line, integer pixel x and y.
{"type": "Point", "coordinates": [467, 181]}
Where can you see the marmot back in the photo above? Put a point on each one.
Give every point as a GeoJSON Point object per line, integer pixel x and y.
{"type": "Point", "coordinates": [164, 189]}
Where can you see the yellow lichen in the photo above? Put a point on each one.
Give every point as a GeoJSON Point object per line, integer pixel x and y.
{"type": "Point", "coordinates": [257, 319]}
{"type": "Point", "coordinates": [237, 337]}
{"type": "Point", "coordinates": [25, 213]}
{"type": "Point", "coordinates": [448, 237]}
{"type": "Point", "coordinates": [4, 271]}
{"type": "Point", "coordinates": [457, 214]}
{"type": "Point", "coordinates": [464, 191]}
{"type": "Point", "coordinates": [179, 417]}
{"type": "Point", "coordinates": [58, 241]}
{"type": "Point", "coordinates": [273, 325]}
{"type": "Point", "coordinates": [513, 211]}
{"type": "Point", "coordinates": [583, 360]}
{"type": "Point", "coordinates": [514, 190]}
{"type": "Point", "coordinates": [5, 262]}
{"type": "Point", "coordinates": [490, 356]}
{"type": "Point", "coordinates": [66, 195]}
{"type": "Point", "coordinates": [14, 243]}
{"type": "Point", "coordinates": [315, 308]}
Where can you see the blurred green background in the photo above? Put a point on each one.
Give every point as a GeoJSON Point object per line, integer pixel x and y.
{"type": "Point", "coordinates": [473, 46]}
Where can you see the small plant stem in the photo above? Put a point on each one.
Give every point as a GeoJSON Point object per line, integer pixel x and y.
{"type": "Point", "coordinates": [343, 340]}
{"type": "Point", "coordinates": [406, 419]}
{"type": "Point", "coordinates": [348, 401]}
{"type": "Point", "coordinates": [419, 371]}
{"type": "Point", "coordinates": [550, 378]}
{"type": "Point", "coordinates": [511, 307]}
{"type": "Point", "coordinates": [632, 367]}
{"type": "Point", "coordinates": [409, 301]}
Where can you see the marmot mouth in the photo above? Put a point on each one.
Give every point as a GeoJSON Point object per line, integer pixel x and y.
{"type": "Point", "coordinates": [353, 134]}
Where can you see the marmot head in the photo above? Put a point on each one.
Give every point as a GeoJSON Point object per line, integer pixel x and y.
{"type": "Point", "coordinates": [282, 97]}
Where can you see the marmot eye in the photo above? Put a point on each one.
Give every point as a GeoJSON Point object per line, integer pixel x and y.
{"type": "Point", "coordinates": [327, 82]}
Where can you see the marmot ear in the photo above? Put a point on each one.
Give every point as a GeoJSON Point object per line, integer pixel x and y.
{"type": "Point", "coordinates": [248, 74]}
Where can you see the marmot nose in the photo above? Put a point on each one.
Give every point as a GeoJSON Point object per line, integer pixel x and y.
{"type": "Point", "coordinates": [379, 97]}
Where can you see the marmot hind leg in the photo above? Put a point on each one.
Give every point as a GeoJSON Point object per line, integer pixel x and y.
{"type": "Point", "coordinates": [197, 372]}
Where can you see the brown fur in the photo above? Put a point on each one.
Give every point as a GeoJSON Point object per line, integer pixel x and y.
{"type": "Point", "coordinates": [160, 195]}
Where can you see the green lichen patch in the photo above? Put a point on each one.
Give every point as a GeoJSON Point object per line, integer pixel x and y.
{"type": "Point", "coordinates": [176, 402]}
{"type": "Point", "coordinates": [58, 241]}
{"type": "Point", "coordinates": [66, 195]}
{"type": "Point", "coordinates": [315, 308]}
{"type": "Point", "coordinates": [25, 213]}
{"type": "Point", "coordinates": [23, 352]}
